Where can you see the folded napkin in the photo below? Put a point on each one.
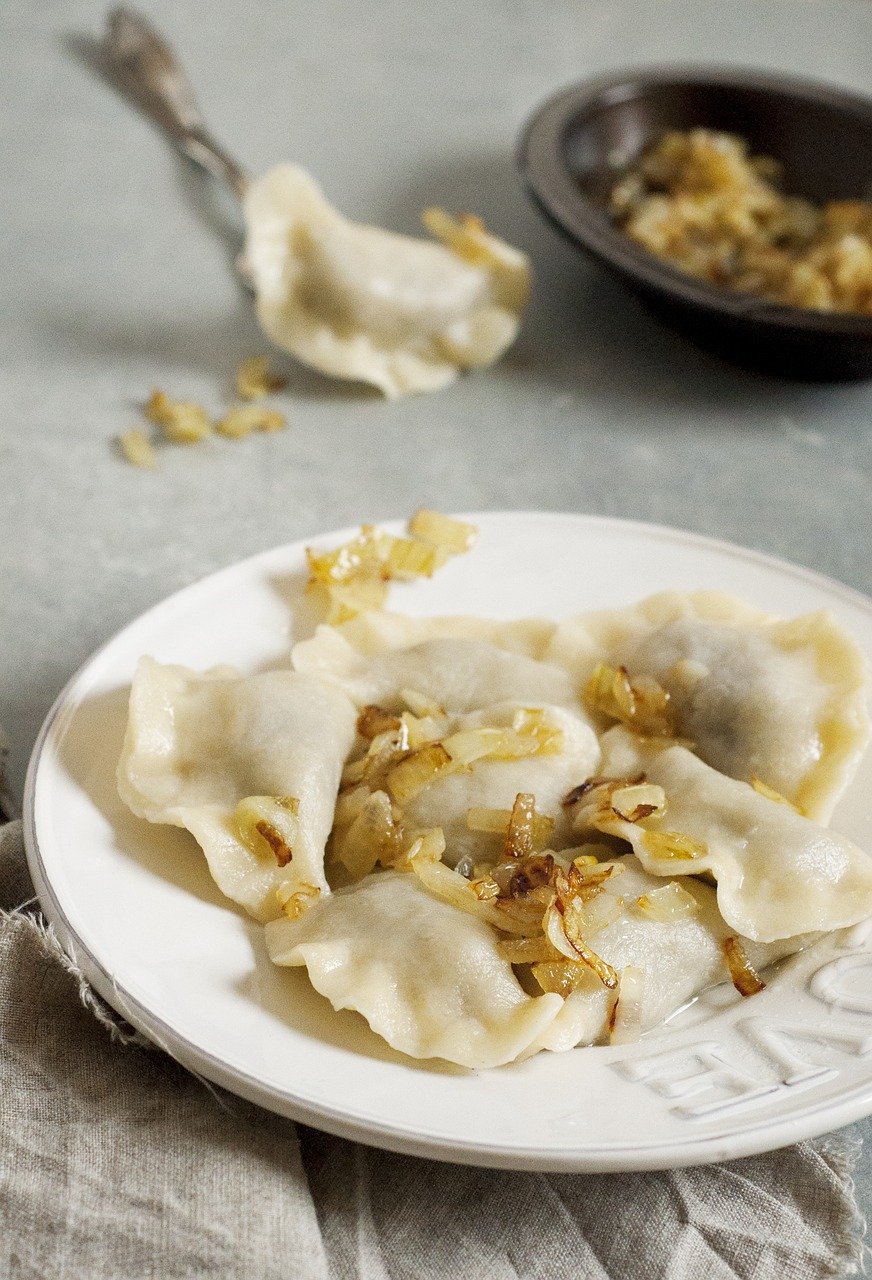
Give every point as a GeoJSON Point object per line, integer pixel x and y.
{"type": "Point", "coordinates": [117, 1164]}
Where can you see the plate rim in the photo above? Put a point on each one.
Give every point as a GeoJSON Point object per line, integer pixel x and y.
{"type": "Point", "coordinates": [687, 1151]}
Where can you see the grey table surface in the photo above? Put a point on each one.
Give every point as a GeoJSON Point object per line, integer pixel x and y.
{"type": "Point", "coordinates": [118, 278]}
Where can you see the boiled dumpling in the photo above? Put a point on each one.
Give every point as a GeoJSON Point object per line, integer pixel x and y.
{"type": "Point", "coordinates": [679, 958]}
{"type": "Point", "coordinates": [358, 302]}
{"type": "Point", "coordinates": [780, 701]}
{"type": "Point", "coordinates": [428, 978]}
{"type": "Point", "coordinates": [381, 631]}
{"type": "Point", "coordinates": [196, 745]}
{"type": "Point", "coordinates": [471, 683]}
{"type": "Point", "coordinates": [495, 783]}
{"type": "Point", "coordinates": [778, 873]}
{"type": "Point", "coordinates": [459, 663]}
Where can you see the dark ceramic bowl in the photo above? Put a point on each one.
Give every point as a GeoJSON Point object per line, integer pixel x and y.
{"type": "Point", "coordinates": [570, 151]}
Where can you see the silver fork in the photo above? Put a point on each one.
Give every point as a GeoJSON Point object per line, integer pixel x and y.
{"type": "Point", "coordinates": [144, 66]}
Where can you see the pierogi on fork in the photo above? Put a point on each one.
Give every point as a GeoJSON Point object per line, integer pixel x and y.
{"type": "Point", "coordinates": [495, 838]}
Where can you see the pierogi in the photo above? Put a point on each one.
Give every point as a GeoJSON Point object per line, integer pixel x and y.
{"type": "Point", "coordinates": [403, 314]}
{"type": "Point", "coordinates": [783, 701]}
{"type": "Point", "coordinates": [198, 745]}
{"type": "Point", "coordinates": [495, 838]}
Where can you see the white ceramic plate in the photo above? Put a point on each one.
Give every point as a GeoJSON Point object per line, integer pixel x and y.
{"type": "Point", "coordinates": [136, 908]}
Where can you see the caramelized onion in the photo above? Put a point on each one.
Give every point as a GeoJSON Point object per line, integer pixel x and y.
{"type": "Point", "coordinates": [294, 902]}
{"type": "Point", "coordinates": [625, 1022]}
{"type": "Point", "coordinates": [639, 703]}
{"type": "Point", "coordinates": [268, 824]}
{"type": "Point", "coordinates": [374, 720]}
{"type": "Point", "coordinates": [668, 903]}
{"type": "Point", "coordinates": [770, 793]}
{"type": "Point", "coordinates": [453, 536]}
{"type": "Point", "coordinates": [522, 833]}
{"type": "Point", "coordinates": [417, 771]}
{"type": "Point", "coordinates": [635, 802]}
{"type": "Point", "coordinates": [255, 379]}
{"type": "Point", "coordinates": [745, 978]}
{"type": "Point", "coordinates": [672, 844]}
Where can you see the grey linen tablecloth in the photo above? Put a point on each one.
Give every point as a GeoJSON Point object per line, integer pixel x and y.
{"type": "Point", "coordinates": [117, 1164]}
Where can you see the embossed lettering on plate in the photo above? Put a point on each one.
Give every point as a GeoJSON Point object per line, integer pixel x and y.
{"type": "Point", "coordinates": [701, 1068]}
{"type": "Point", "coordinates": [845, 983]}
{"type": "Point", "coordinates": [795, 1050]}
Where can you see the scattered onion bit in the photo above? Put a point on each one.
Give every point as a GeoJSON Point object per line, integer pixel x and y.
{"type": "Point", "coordinates": [606, 974]}
{"type": "Point", "coordinates": [255, 379]}
{"type": "Point", "coordinates": [587, 917]}
{"type": "Point", "coordinates": [349, 804]}
{"type": "Point", "coordinates": [275, 840]}
{"type": "Point", "coordinates": [347, 600]}
{"type": "Point", "coordinates": [385, 751]}
{"type": "Point", "coordinates": [468, 237]}
{"type": "Point", "coordinates": [138, 449]}
{"type": "Point", "coordinates": [527, 950]}
{"type": "Point", "coordinates": [470, 745]}
{"type": "Point", "coordinates": [536, 871]}
{"type": "Point", "coordinates": [625, 1019]}
{"type": "Point", "coordinates": [521, 832]}
{"type": "Point", "coordinates": [350, 560]}
{"type": "Point", "coordinates": [463, 234]}
{"type": "Point", "coordinates": [591, 784]}
{"type": "Point", "coordinates": [448, 885]}
{"type": "Point", "coordinates": [374, 720]}
{"type": "Point", "coordinates": [294, 902]}
{"type": "Point", "coordinates": [492, 821]}
{"type": "Point", "coordinates": [269, 821]}
{"type": "Point", "coordinates": [566, 939]}
{"type": "Point", "coordinates": [368, 561]}
{"type": "Point", "coordinates": [244, 419]}
{"type": "Point", "coordinates": [599, 790]}
{"type": "Point", "coordinates": [771, 794]}
{"type": "Point", "coordinates": [745, 978]}
{"type": "Point", "coordinates": [417, 771]}
{"type": "Point", "coordinates": [586, 880]}
{"type": "Point", "coordinates": [672, 844]}
{"type": "Point", "coordinates": [527, 737]}
{"type": "Point", "coordinates": [373, 835]}
{"type": "Point", "coordinates": [589, 854]}
{"type": "Point", "coordinates": [602, 803]}
{"type": "Point", "coordinates": [428, 846]}
{"type": "Point", "coordinates": [561, 977]}
{"type": "Point", "coordinates": [573, 913]}
{"type": "Point", "coordinates": [485, 888]}
{"type": "Point", "coordinates": [638, 801]}
{"type": "Point", "coordinates": [555, 932]}
{"type": "Point", "coordinates": [640, 703]}
{"type": "Point", "coordinates": [420, 705]}
{"type": "Point", "coordinates": [421, 730]}
{"type": "Point", "coordinates": [530, 735]}
{"type": "Point", "coordinates": [180, 421]}
{"type": "Point", "coordinates": [670, 902]}
{"type": "Point", "coordinates": [453, 536]}
{"type": "Point", "coordinates": [409, 558]}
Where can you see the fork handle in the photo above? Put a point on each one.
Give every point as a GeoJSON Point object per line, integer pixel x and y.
{"type": "Point", "coordinates": [145, 67]}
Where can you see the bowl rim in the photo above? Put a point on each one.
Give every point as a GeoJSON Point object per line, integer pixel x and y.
{"type": "Point", "coordinates": [541, 160]}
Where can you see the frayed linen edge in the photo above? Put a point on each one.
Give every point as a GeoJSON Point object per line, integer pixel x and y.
{"type": "Point", "coordinates": [120, 1031]}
